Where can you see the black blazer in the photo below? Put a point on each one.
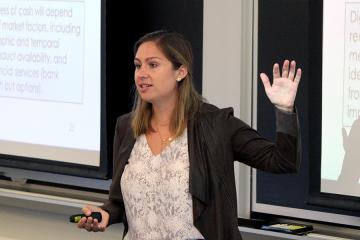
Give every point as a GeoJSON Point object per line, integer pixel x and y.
{"type": "Point", "coordinates": [215, 139]}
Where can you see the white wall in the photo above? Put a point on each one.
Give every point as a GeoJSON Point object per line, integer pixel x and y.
{"type": "Point", "coordinates": [227, 70]}
{"type": "Point", "coordinates": [227, 74]}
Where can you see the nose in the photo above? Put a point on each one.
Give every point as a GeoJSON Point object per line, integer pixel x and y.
{"type": "Point", "coordinates": [141, 73]}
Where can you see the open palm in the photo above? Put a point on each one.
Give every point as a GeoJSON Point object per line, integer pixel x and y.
{"type": "Point", "coordinates": [282, 91]}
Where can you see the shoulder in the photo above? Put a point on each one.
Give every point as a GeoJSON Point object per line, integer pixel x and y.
{"type": "Point", "coordinates": [124, 117]}
{"type": "Point", "coordinates": [124, 121]}
{"type": "Point", "coordinates": [211, 111]}
{"type": "Point", "coordinates": [220, 119]}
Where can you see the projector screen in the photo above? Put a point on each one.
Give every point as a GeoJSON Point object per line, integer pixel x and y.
{"type": "Point", "coordinates": [319, 105]}
{"type": "Point", "coordinates": [51, 81]}
{"type": "Point", "coordinates": [340, 146]}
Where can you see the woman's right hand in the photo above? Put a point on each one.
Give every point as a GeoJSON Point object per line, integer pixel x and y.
{"type": "Point", "coordinates": [282, 91]}
{"type": "Point", "coordinates": [90, 224]}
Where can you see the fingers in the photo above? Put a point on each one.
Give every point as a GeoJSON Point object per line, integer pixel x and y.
{"type": "Point", "coordinates": [292, 70]}
{"type": "Point", "coordinates": [96, 226]}
{"type": "Point", "coordinates": [276, 71]}
{"type": "Point", "coordinates": [288, 71]}
{"type": "Point", "coordinates": [285, 69]}
{"type": "Point", "coordinates": [101, 227]}
{"type": "Point", "coordinates": [90, 225]}
{"type": "Point", "coordinates": [82, 222]}
{"type": "Point", "coordinates": [298, 76]}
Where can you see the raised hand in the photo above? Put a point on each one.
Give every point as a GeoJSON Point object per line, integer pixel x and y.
{"type": "Point", "coordinates": [282, 91]}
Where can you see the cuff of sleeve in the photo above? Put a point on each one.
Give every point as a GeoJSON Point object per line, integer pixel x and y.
{"type": "Point", "coordinates": [286, 122]}
{"type": "Point", "coordinates": [113, 218]}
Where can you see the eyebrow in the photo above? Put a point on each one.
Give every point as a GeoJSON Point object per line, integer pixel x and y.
{"type": "Point", "coordinates": [148, 59]}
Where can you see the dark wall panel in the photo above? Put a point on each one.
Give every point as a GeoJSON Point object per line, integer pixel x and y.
{"type": "Point", "coordinates": [125, 24]}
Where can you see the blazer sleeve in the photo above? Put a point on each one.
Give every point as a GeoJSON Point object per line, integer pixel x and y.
{"type": "Point", "coordinates": [249, 147]}
{"type": "Point", "coordinates": [114, 205]}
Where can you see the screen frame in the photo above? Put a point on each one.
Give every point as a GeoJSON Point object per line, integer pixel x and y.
{"type": "Point", "coordinates": [271, 209]}
{"type": "Point", "coordinates": [317, 197]}
{"type": "Point", "coordinates": [51, 166]}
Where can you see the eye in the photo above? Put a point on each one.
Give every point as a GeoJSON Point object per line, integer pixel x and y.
{"type": "Point", "coordinates": [153, 64]}
{"type": "Point", "coordinates": [137, 65]}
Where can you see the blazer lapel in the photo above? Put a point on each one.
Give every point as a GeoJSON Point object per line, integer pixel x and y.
{"type": "Point", "coordinates": [198, 174]}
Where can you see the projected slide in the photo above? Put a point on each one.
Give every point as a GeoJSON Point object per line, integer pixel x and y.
{"type": "Point", "coordinates": [340, 163]}
{"type": "Point", "coordinates": [50, 79]}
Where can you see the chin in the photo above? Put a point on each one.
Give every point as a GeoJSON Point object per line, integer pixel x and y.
{"type": "Point", "coordinates": [146, 98]}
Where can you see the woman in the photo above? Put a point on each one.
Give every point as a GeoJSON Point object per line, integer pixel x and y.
{"type": "Point", "coordinates": [173, 154]}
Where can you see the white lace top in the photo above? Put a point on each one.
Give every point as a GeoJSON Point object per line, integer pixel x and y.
{"type": "Point", "coordinates": [156, 194]}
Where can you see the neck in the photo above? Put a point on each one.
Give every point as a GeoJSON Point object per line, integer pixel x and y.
{"type": "Point", "coordinates": [162, 112]}
{"type": "Point", "coordinates": [161, 120]}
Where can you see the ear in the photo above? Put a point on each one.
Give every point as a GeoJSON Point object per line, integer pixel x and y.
{"type": "Point", "coordinates": [181, 73]}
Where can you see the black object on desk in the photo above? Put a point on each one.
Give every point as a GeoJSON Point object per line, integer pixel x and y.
{"type": "Point", "coordinates": [291, 228]}
{"type": "Point", "coordinates": [76, 217]}
{"type": "Point", "coordinates": [251, 222]}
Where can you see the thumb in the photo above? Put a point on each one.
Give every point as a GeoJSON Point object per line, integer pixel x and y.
{"type": "Point", "coordinates": [87, 210]}
{"type": "Point", "coordinates": [265, 80]}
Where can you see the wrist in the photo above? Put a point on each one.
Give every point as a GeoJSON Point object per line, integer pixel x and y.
{"type": "Point", "coordinates": [286, 109]}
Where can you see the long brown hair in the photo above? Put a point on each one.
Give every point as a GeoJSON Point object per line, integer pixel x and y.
{"type": "Point", "coordinates": [177, 50]}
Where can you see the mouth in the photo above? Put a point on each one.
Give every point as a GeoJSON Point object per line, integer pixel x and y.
{"type": "Point", "coordinates": [144, 86]}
